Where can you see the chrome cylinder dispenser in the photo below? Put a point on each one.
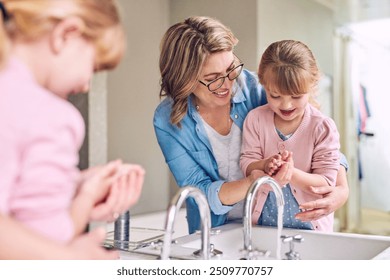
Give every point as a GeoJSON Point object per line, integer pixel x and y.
{"type": "Point", "coordinates": [122, 231]}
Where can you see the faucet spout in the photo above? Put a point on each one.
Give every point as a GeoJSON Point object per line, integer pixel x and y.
{"type": "Point", "coordinates": [247, 219]}
{"type": "Point", "coordinates": [204, 212]}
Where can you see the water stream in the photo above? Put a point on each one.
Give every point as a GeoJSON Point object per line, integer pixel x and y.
{"type": "Point", "coordinates": [279, 232]}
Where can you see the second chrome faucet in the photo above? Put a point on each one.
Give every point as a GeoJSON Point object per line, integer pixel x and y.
{"type": "Point", "coordinates": [247, 219]}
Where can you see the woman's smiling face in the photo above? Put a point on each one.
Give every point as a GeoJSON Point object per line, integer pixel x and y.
{"type": "Point", "coordinates": [216, 65]}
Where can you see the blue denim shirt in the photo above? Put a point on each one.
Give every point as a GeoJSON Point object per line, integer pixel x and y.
{"type": "Point", "coordinates": [188, 152]}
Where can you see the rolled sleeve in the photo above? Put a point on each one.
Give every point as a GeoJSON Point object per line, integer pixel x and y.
{"type": "Point", "coordinates": [215, 203]}
{"type": "Point", "coordinates": [344, 161]}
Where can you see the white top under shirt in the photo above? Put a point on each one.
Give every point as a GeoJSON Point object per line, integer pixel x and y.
{"type": "Point", "coordinates": [227, 150]}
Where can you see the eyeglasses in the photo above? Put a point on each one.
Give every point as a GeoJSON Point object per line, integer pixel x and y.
{"type": "Point", "coordinates": [218, 82]}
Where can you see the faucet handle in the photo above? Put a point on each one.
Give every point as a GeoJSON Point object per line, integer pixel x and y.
{"type": "Point", "coordinates": [286, 238]}
{"type": "Point", "coordinates": [292, 255]}
{"type": "Point", "coordinates": [292, 238]}
{"type": "Point", "coordinates": [298, 238]}
{"type": "Point", "coordinates": [212, 231]}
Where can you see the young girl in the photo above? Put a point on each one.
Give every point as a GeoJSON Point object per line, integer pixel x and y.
{"type": "Point", "coordinates": [49, 50]}
{"type": "Point", "coordinates": [290, 127]}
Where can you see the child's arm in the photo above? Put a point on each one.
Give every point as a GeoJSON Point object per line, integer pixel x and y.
{"type": "Point", "coordinates": [305, 180]}
{"type": "Point", "coordinates": [19, 242]}
{"type": "Point", "coordinates": [325, 162]}
{"type": "Point", "coordinates": [332, 198]}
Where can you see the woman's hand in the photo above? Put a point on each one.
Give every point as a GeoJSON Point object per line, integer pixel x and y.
{"type": "Point", "coordinates": [332, 199]}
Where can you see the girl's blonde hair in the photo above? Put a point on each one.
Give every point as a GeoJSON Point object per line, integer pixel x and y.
{"type": "Point", "coordinates": [29, 20]}
{"type": "Point", "coordinates": [184, 49]}
{"type": "Point", "coordinates": [290, 67]}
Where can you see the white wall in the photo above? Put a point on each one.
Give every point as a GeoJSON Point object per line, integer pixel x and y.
{"type": "Point", "coordinates": [304, 20]}
{"type": "Point", "coordinates": [239, 16]}
{"type": "Point", "coordinates": [133, 94]}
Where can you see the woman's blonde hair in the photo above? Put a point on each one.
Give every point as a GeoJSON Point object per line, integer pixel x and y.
{"type": "Point", "coordinates": [290, 67]}
{"type": "Point", "coordinates": [184, 49]}
{"type": "Point", "coordinates": [29, 20]}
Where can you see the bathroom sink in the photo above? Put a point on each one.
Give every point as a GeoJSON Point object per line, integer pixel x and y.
{"type": "Point", "coordinates": [229, 240]}
{"type": "Point", "coordinates": [316, 245]}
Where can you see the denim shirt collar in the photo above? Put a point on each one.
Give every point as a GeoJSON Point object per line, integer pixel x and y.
{"type": "Point", "coordinates": [238, 95]}
{"type": "Point", "coordinates": [199, 127]}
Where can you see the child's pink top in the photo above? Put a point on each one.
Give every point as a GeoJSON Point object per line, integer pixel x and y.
{"type": "Point", "coordinates": [40, 136]}
{"type": "Point", "coordinates": [315, 146]}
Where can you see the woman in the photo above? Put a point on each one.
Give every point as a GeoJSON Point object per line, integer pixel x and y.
{"type": "Point", "coordinates": [199, 123]}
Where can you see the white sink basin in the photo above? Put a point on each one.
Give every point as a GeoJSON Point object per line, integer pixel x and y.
{"type": "Point", "coordinates": [316, 245]}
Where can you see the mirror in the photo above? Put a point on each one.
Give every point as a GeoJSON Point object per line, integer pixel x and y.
{"type": "Point", "coordinates": [131, 92]}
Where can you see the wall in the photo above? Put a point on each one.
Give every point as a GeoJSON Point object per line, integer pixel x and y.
{"type": "Point", "coordinates": [133, 94]}
{"type": "Point", "coordinates": [239, 16]}
{"type": "Point", "coordinates": [303, 20]}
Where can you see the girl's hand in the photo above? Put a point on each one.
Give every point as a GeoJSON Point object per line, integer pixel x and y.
{"type": "Point", "coordinates": [124, 193]}
{"type": "Point", "coordinates": [272, 164]}
{"type": "Point", "coordinates": [284, 174]}
{"type": "Point", "coordinates": [96, 181]}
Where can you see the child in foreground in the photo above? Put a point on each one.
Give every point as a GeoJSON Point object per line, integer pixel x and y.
{"type": "Point", "coordinates": [48, 51]}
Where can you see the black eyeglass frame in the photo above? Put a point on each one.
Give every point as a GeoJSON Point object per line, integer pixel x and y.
{"type": "Point", "coordinates": [223, 77]}
{"type": "Point", "coordinates": [4, 12]}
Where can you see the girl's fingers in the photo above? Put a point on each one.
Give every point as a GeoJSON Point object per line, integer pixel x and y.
{"type": "Point", "coordinates": [127, 188]}
{"type": "Point", "coordinates": [134, 187]}
{"type": "Point", "coordinates": [105, 211]}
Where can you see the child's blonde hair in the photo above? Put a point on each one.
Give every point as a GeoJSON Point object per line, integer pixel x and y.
{"type": "Point", "coordinates": [290, 67]}
{"type": "Point", "coordinates": [28, 20]}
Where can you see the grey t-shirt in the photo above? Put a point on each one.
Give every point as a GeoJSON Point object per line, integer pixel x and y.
{"type": "Point", "coordinates": [226, 149]}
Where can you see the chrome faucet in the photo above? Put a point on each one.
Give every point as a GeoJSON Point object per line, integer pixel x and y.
{"type": "Point", "coordinates": [204, 211]}
{"type": "Point", "coordinates": [247, 219]}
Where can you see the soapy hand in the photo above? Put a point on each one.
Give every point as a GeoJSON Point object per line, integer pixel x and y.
{"type": "Point", "coordinates": [273, 164]}
{"type": "Point", "coordinates": [284, 174]}
{"type": "Point", "coordinates": [124, 193]}
{"type": "Point", "coordinates": [113, 187]}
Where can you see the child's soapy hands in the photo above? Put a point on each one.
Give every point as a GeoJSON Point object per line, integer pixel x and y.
{"type": "Point", "coordinates": [113, 188]}
{"type": "Point", "coordinates": [284, 174]}
{"type": "Point", "coordinates": [273, 164]}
